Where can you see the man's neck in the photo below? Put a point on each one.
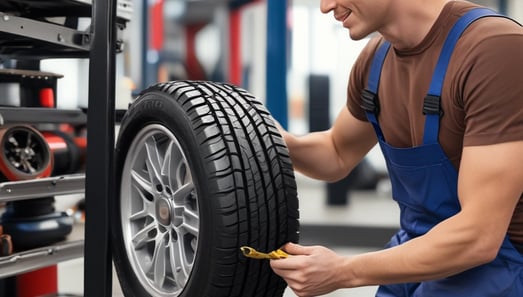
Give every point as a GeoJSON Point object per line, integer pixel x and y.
{"type": "Point", "coordinates": [411, 21]}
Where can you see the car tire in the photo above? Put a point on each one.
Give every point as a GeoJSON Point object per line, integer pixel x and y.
{"type": "Point", "coordinates": [201, 170]}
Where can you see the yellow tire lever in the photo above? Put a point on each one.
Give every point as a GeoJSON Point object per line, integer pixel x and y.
{"type": "Point", "coordinates": [254, 254]}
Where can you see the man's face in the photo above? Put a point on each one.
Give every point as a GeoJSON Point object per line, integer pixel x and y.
{"type": "Point", "coordinates": [361, 17]}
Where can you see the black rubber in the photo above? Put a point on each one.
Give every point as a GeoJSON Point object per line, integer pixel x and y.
{"type": "Point", "coordinates": [244, 179]}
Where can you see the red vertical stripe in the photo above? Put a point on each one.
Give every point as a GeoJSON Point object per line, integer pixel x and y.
{"type": "Point", "coordinates": [235, 58]}
{"type": "Point", "coordinates": [195, 70]}
{"type": "Point", "coordinates": [156, 25]}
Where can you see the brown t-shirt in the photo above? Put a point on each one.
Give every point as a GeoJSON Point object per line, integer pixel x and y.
{"type": "Point", "coordinates": [482, 96]}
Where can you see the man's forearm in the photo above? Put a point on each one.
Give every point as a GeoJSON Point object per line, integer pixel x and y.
{"type": "Point", "coordinates": [315, 156]}
{"type": "Point", "coordinates": [449, 248]}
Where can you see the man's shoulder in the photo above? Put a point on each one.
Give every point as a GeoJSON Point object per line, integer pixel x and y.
{"type": "Point", "coordinates": [491, 25]}
{"type": "Point", "coordinates": [494, 26]}
{"type": "Point", "coordinates": [492, 34]}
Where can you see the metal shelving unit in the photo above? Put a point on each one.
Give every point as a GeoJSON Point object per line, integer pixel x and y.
{"type": "Point", "coordinates": [41, 257]}
{"type": "Point", "coordinates": [99, 173]}
{"type": "Point", "coordinates": [34, 115]}
{"type": "Point", "coordinates": [28, 30]}
{"type": "Point", "coordinates": [49, 186]}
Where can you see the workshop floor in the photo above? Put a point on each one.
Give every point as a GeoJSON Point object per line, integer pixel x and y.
{"type": "Point", "coordinates": [365, 209]}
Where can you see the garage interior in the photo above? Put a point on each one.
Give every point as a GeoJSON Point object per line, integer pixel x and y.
{"type": "Point", "coordinates": [60, 66]}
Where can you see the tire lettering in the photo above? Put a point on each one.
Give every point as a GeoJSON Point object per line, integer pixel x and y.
{"type": "Point", "coordinates": [151, 104]}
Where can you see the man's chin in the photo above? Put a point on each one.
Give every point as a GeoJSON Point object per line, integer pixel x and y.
{"type": "Point", "coordinates": [358, 34]}
{"type": "Point", "coordinates": [354, 35]}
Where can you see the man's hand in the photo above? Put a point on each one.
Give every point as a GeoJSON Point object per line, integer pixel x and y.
{"type": "Point", "coordinates": [310, 271]}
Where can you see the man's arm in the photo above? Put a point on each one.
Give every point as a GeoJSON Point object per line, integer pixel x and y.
{"type": "Point", "coordinates": [489, 186]}
{"type": "Point", "coordinates": [330, 155]}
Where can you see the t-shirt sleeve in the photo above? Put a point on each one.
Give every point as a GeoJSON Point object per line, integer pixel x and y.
{"type": "Point", "coordinates": [492, 91]}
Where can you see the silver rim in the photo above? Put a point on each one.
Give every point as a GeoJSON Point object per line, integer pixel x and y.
{"type": "Point", "coordinates": [159, 208]}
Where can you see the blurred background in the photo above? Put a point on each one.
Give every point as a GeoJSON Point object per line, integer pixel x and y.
{"type": "Point", "coordinates": [290, 56]}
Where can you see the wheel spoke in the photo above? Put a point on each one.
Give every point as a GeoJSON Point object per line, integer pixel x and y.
{"type": "Point", "coordinates": [141, 238]}
{"type": "Point", "coordinates": [153, 159]}
{"type": "Point", "coordinates": [184, 266]}
{"type": "Point", "coordinates": [140, 214]}
{"type": "Point", "coordinates": [26, 167]}
{"type": "Point", "coordinates": [28, 143]}
{"type": "Point", "coordinates": [181, 194]}
{"type": "Point", "coordinates": [182, 176]}
{"type": "Point", "coordinates": [166, 166]}
{"type": "Point", "coordinates": [191, 222]}
{"type": "Point", "coordinates": [174, 166]}
{"type": "Point", "coordinates": [141, 181]}
{"type": "Point", "coordinates": [142, 207]}
{"type": "Point", "coordinates": [159, 265]}
{"type": "Point", "coordinates": [14, 142]}
{"type": "Point", "coordinates": [179, 265]}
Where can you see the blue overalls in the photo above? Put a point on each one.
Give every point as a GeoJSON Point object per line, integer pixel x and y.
{"type": "Point", "coordinates": [424, 184]}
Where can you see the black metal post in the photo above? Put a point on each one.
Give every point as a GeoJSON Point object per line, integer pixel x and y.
{"type": "Point", "coordinates": [100, 139]}
{"type": "Point", "coordinates": [502, 7]}
{"type": "Point", "coordinates": [147, 73]}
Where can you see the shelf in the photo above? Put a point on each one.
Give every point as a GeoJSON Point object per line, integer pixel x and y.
{"type": "Point", "coordinates": [20, 75]}
{"type": "Point", "coordinates": [40, 257]}
{"type": "Point", "coordinates": [35, 29]}
{"type": "Point", "coordinates": [61, 8]}
{"type": "Point", "coordinates": [71, 248]}
{"type": "Point", "coordinates": [35, 115]}
{"type": "Point", "coordinates": [23, 36]}
{"type": "Point", "coordinates": [37, 188]}
{"type": "Point", "coordinates": [40, 29]}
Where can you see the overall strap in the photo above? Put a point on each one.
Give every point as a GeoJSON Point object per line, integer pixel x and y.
{"type": "Point", "coordinates": [369, 96]}
{"type": "Point", "coordinates": [432, 104]}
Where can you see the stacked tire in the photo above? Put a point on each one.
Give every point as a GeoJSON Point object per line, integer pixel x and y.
{"type": "Point", "coordinates": [201, 171]}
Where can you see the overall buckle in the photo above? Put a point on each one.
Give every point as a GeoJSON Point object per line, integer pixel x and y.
{"type": "Point", "coordinates": [370, 102]}
{"type": "Point", "coordinates": [432, 105]}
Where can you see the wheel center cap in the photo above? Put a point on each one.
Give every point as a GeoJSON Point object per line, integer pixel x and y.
{"type": "Point", "coordinates": [163, 212]}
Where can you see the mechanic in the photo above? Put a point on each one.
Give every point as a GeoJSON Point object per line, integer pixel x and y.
{"type": "Point", "coordinates": [448, 117]}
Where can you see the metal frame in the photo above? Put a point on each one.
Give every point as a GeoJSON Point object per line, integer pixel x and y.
{"type": "Point", "coordinates": [40, 258]}
{"type": "Point", "coordinates": [47, 32]}
{"type": "Point", "coordinates": [100, 150]}
{"type": "Point", "coordinates": [34, 115]}
{"type": "Point", "coordinates": [100, 45]}
{"type": "Point", "coordinates": [35, 188]}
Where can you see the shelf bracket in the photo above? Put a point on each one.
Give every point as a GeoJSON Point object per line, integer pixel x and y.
{"type": "Point", "coordinates": [43, 31]}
